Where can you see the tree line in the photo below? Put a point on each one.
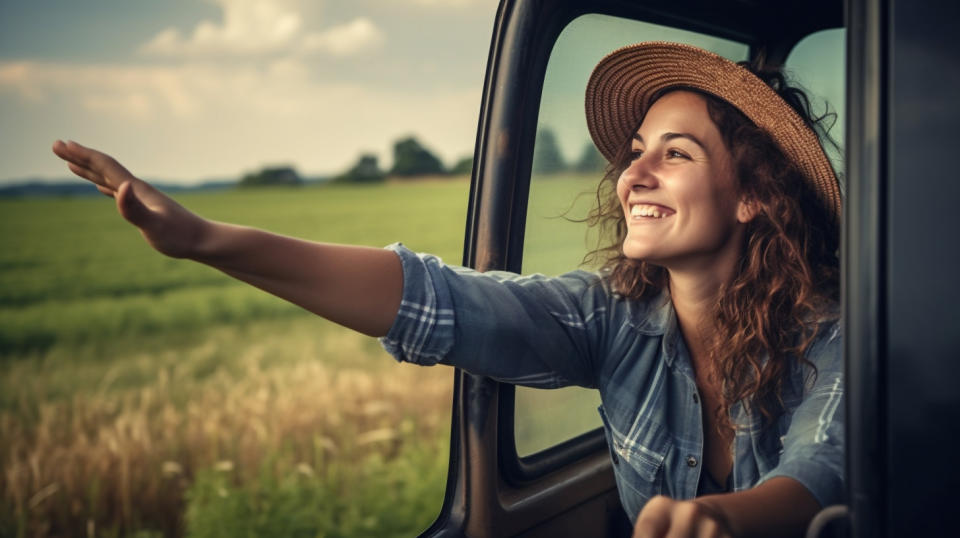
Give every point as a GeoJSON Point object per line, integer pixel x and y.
{"type": "Point", "coordinates": [413, 159]}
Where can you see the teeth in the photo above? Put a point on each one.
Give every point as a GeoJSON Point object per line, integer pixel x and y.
{"type": "Point", "coordinates": [646, 211]}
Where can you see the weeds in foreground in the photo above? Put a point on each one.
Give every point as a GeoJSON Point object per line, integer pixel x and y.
{"type": "Point", "coordinates": [267, 444]}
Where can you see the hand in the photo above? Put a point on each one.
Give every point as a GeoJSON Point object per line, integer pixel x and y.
{"type": "Point", "coordinates": [166, 225]}
{"type": "Point", "coordinates": [663, 517]}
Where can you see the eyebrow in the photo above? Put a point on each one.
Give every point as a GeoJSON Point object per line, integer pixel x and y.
{"type": "Point", "coordinates": [666, 137]}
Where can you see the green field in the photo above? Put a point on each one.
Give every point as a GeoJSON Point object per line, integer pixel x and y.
{"type": "Point", "coordinates": [141, 395]}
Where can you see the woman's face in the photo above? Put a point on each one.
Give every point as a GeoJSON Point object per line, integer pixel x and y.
{"type": "Point", "coordinates": [679, 194]}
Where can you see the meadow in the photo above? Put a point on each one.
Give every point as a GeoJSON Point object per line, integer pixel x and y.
{"type": "Point", "coordinates": [145, 396]}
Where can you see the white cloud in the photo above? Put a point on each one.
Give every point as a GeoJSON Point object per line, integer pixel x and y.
{"type": "Point", "coordinates": [355, 36]}
{"type": "Point", "coordinates": [214, 119]}
{"type": "Point", "coordinates": [263, 27]}
{"type": "Point", "coordinates": [135, 93]}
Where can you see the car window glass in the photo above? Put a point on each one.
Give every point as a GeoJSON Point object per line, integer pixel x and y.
{"type": "Point", "coordinates": [818, 63]}
{"type": "Point", "coordinates": [566, 172]}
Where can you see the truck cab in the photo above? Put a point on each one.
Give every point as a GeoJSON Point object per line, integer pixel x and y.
{"type": "Point", "coordinates": [891, 72]}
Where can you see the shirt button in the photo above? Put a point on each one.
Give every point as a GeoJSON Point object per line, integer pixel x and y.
{"type": "Point", "coordinates": [691, 461]}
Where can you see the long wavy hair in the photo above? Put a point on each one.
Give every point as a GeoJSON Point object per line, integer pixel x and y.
{"type": "Point", "coordinates": [787, 279]}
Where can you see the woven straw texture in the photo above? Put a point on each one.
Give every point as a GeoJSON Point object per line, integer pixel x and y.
{"type": "Point", "coordinates": [622, 84]}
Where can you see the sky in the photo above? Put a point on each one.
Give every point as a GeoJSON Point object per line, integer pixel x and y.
{"type": "Point", "coordinates": [191, 90]}
{"type": "Point", "coordinates": [184, 91]}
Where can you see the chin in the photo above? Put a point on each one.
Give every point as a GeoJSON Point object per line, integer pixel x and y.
{"type": "Point", "coordinates": [639, 252]}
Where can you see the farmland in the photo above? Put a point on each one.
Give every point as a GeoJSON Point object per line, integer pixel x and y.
{"type": "Point", "coordinates": [146, 396]}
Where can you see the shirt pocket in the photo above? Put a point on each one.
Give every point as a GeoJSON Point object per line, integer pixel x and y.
{"type": "Point", "coordinates": [637, 462]}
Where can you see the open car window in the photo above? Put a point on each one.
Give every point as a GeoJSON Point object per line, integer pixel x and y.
{"type": "Point", "coordinates": [566, 171]}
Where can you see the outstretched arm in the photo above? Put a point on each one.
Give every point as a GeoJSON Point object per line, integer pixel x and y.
{"type": "Point", "coordinates": [357, 287]}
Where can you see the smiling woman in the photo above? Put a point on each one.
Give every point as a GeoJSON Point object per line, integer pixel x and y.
{"type": "Point", "coordinates": [711, 331]}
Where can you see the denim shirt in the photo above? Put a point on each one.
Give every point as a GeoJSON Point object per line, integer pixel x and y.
{"type": "Point", "coordinates": [573, 330]}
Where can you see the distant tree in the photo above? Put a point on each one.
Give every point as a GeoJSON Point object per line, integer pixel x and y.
{"type": "Point", "coordinates": [272, 176]}
{"type": "Point", "coordinates": [547, 158]}
{"type": "Point", "coordinates": [463, 167]}
{"type": "Point", "coordinates": [366, 170]}
{"type": "Point", "coordinates": [412, 159]}
{"type": "Point", "coordinates": [591, 160]}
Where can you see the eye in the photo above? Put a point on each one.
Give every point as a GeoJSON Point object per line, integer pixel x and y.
{"type": "Point", "coordinates": [635, 154]}
{"type": "Point", "coordinates": [676, 154]}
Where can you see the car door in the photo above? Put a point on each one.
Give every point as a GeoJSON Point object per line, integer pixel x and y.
{"type": "Point", "coordinates": [565, 486]}
{"type": "Point", "coordinates": [900, 267]}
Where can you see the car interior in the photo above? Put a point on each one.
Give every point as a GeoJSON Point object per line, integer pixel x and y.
{"type": "Point", "coordinates": [527, 462]}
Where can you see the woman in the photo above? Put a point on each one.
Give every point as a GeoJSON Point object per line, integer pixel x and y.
{"type": "Point", "coordinates": [710, 332]}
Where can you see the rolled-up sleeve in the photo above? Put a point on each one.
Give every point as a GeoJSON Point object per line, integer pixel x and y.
{"type": "Point", "coordinates": [527, 330]}
{"type": "Point", "coordinates": [813, 448]}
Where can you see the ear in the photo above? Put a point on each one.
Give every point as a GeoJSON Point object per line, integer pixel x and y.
{"type": "Point", "coordinates": [747, 209]}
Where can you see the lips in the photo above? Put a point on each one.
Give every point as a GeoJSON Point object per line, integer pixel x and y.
{"type": "Point", "coordinates": [649, 211]}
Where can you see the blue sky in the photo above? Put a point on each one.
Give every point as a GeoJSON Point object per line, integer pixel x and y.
{"type": "Point", "coordinates": [189, 90]}
{"type": "Point", "coordinates": [186, 90]}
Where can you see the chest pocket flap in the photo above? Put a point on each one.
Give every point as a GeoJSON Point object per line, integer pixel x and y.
{"type": "Point", "coordinates": [643, 449]}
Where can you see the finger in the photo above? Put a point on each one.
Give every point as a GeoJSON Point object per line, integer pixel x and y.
{"type": "Point", "coordinates": [96, 160]}
{"type": "Point", "coordinates": [708, 528]}
{"type": "Point", "coordinates": [106, 191]}
{"type": "Point", "coordinates": [60, 149]}
{"type": "Point", "coordinates": [654, 519]}
{"type": "Point", "coordinates": [72, 153]}
{"type": "Point", "coordinates": [651, 528]}
{"type": "Point", "coordinates": [130, 206]}
{"type": "Point", "coordinates": [683, 523]}
{"type": "Point", "coordinates": [86, 173]}
{"type": "Point", "coordinates": [110, 172]}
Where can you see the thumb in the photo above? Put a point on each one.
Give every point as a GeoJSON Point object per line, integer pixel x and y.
{"type": "Point", "coordinates": [130, 206]}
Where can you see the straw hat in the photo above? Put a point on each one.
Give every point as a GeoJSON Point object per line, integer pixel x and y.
{"type": "Point", "coordinates": [623, 83]}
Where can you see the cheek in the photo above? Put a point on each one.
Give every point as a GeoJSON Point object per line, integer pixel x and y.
{"type": "Point", "coordinates": [622, 190]}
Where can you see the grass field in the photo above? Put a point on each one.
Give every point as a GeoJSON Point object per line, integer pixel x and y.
{"type": "Point", "coordinates": [146, 396]}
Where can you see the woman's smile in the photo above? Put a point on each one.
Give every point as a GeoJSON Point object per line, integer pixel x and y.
{"type": "Point", "coordinates": [644, 211]}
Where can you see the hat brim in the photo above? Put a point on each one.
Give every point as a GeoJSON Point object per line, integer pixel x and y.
{"type": "Point", "coordinates": [624, 82]}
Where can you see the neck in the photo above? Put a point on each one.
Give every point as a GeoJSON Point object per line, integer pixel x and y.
{"type": "Point", "coordinates": [693, 300]}
{"type": "Point", "coordinates": [694, 292]}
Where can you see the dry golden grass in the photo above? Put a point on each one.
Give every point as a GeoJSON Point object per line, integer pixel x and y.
{"type": "Point", "coordinates": [121, 459]}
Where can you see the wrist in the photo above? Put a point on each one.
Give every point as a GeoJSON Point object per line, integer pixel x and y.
{"type": "Point", "coordinates": [204, 245]}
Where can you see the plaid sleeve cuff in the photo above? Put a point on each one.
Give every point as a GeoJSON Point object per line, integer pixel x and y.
{"type": "Point", "coordinates": [824, 482]}
{"type": "Point", "coordinates": [423, 331]}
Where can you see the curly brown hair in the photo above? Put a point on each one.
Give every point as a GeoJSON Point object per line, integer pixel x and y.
{"type": "Point", "coordinates": [787, 281]}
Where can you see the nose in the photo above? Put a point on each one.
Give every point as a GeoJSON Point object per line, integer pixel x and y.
{"type": "Point", "coordinates": [639, 174]}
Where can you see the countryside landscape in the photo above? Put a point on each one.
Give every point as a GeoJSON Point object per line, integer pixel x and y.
{"type": "Point", "coordinates": [146, 396]}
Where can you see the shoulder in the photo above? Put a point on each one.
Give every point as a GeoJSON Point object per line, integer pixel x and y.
{"type": "Point", "coordinates": [824, 355]}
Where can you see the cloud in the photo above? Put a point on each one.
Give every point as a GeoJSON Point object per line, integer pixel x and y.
{"type": "Point", "coordinates": [134, 93]}
{"type": "Point", "coordinates": [251, 27]}
{"type": "Point", "coordinates": [209, 119]}
{"type": "Point", "coordinates": [355, 36]}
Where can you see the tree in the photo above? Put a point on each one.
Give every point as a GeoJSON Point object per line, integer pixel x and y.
{"type": "Point", "coordinates": [591, 160]}
{"type": "Point", "coordinates": [272, 176]}
{"type": "Point", "coordinates": [463, 167]}
{"type": "Point", "coordinates": [547, 158]}
{"type": "Point", "coordinates": [366, 170]}
{"type": "Point", "coordinates": [412, 159]}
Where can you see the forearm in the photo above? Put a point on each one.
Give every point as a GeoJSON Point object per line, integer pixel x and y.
{"type": "Point", "coordinates": [779, 507]}
{"type": "Point", "coordinates": [358, 287]}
